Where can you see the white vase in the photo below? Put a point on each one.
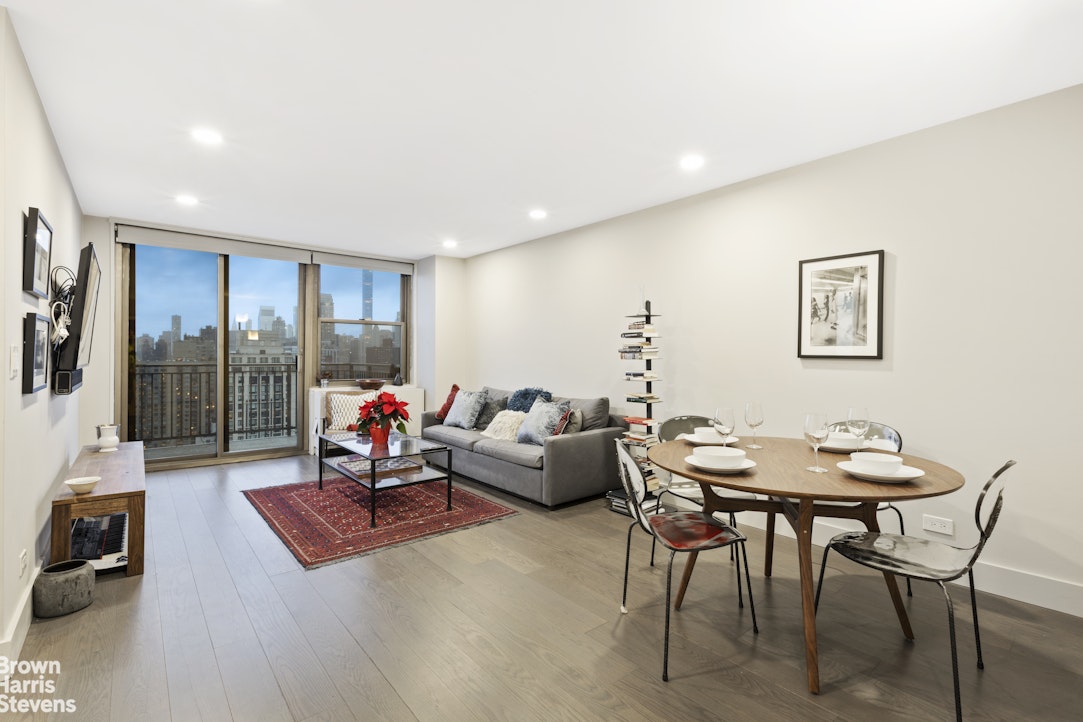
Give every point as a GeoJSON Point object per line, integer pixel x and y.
{"type": "Point", "coordinates": [107, 437]}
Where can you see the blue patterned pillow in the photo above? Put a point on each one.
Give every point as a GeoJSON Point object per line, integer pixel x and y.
{"type": "Point", "coordinates": [523, 399]}
{"type": "Point", "coordinates": [541, 421]}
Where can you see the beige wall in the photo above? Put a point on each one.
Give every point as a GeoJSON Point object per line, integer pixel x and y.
{"type": "Point", "coordinates": [981, 222]}
{"type": "Point", "coordinates": [40, 431]}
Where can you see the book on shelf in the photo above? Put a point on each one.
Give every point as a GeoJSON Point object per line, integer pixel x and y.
{"type": "Point", "coordinates": [641, 438]}
{"type": "Point", "coordinates": [618, 502]}
{"type": "Point", "coordinates": [641, 326]}
{"type": "Point", "coordinates": [640, 420]}
{"type": "Point", "coordinates": [644, 398]}
{"type": "Point", "coordinates": [645, 334]}
{"type": "Point", "coordinates": [642, 377]}
{"type": "Point", "coordinates": [638, 355]}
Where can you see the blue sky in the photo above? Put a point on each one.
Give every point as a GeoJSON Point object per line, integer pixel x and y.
{"type": "Point", "coordinates": [171, 281]}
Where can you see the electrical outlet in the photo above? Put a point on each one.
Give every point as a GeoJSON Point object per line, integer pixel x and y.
{"type": "Point", "coordinates": [16, 359]}
{"type": "Point", "coordinates": [938, 525]}
{"type": "Point", "coordinates": [24, 562]}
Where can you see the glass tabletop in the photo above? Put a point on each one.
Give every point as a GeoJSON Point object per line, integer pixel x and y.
{"type": "Point", "coordinates": [397, 445]}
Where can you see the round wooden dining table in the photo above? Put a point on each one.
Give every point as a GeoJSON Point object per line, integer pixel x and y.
{"type": "Point", "coordinates": [781, 476]}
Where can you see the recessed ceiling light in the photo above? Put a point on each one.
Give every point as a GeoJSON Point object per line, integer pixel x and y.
{"type": "Point", "coordinates": [538, 214]}
{"type": "Point", "coordinates": [185, 200]}
{"type": "Point", "coordinates": [450, 243]}
{"type": "Point", "coordinates": [692, 162]}
{"type": "Point", "coordinates": [208, 136]}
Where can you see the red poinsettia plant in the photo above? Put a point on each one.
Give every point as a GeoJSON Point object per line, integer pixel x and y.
{"type": "Point", "coordinates": [384, 411]}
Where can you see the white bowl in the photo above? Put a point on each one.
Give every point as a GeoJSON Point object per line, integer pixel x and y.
{"type": "Point", "coordinates": [708, 435]}
{"type": "Point", "coordinates": [720, 457]}
{"type": "Point", "coordinates": [874, 463]}
{"type": "Point", "coordinates": [82, 484]}
{"type": "Point", "coordinates": [843, 440]}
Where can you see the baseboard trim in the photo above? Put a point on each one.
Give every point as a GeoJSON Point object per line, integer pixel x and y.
{"type": "Point", "coordinates": [12, 642]}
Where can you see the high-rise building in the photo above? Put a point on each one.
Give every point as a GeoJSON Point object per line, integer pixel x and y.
{"type": "Point", "coordinates": [366, 293]}
{"type": "Point", "coordinates": [327, 306]}
{"type": "Point", "coordinates": [266, 318]}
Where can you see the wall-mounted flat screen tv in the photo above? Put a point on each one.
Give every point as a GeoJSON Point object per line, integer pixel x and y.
{"type": "Point", "coordinates": [74, 353]}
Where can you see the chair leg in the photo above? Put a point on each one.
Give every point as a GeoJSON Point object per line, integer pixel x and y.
{"type": "Point", "coordinates": [654, 545]}
{"type": "Point", "coordinates": [819, 584]}
{"type": "Point", "coordinates": [954, 652]}
{"type": "Point", "coordinates": [974, 606]}
{"type": "Point", "coordinates": [748, 579]}
{"type": "Point", "coordinates": [902, 530]}
{"type": "Point", "coordinates": [627, 558]}
{"type": "Point", "coordinates": [740, 594]}
{"type": "Point", "coordinates": [733, 523]}
{"type": "Point", "coordinates": [665, 650]}
{"type": "Point", "coordinates": [769, 548]}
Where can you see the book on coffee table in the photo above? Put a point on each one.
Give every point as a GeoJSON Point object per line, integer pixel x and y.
{"type": "Point", "coordinates": [357, 464]}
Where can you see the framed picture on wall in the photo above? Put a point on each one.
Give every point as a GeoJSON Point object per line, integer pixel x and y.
{"type": "Point", "coordinates": [35, 352]}
{"type": "Point", "coordinates": [841, 306]}
{"type": "Point", "coordinates": [37, 244]}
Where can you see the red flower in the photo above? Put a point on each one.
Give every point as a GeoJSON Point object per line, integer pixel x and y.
{"type": "Point", "coordinates": [384, 410]}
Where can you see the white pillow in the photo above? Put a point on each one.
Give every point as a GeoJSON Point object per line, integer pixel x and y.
{"type": "Point", "coordinates": [505, 425]}
{"type": "Point", "coordinates": [344, 408]}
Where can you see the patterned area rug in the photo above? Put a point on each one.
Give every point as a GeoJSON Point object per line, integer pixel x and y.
{"type": "Point", "coordinates": [329, 525]}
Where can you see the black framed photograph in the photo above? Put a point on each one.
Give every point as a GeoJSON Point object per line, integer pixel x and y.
{"type": "Point", "coordinates": [35, 352]}
{"type": "Point", "coordinates": [841, 306]}
{"type": "Point", "coordinates": [37, 245]}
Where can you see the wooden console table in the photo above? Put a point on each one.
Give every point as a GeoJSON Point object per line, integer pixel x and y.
{"type": "Point", "coordinates": [122, 489]}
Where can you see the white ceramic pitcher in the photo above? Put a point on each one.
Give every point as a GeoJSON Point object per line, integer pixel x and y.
{"type": "Point", "coordinates": [107, 437]}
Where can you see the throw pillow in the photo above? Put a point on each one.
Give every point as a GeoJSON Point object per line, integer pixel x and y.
{"type": "Point", "coordinates": [447, 404]}
{"type": "Point", "coordinates": [344, 408]}
{"type": "Point", "coordinates": [491, 408]}
{"type": "Point", "coordinates": [575, 422]}
{"type": "Point", "coordinates": [505, 425]}
{"type": "Point", "coordinates": [465, 409]}
{"type": "Point", "coordinates": [523, 399]}
{"type": "Point", "coordinates": [541, 421]}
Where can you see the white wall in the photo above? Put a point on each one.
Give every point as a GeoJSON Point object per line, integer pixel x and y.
{"type": "Point", "coordinates": [981, 222]}
{"type": "Point", "coordinates": [441, 328]}
{"type": "Point", "coordinates": [40, 431]}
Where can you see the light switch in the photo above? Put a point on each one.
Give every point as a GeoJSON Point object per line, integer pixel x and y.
{"type": "Point", "coordinates": [16, 358]}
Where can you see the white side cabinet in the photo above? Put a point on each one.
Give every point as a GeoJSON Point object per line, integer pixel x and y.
{"type": "Point", "coordinates": [413, 395]}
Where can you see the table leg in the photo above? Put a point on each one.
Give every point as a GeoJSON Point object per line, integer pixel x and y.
{"type": "Point", "coordinates": [372, 493]}
{"type": "Point", "coordinates": [808, 608]}
{"type": "Point", "coordinates": [871, 523]}
{"type": "Point", "coordinates": [688, 567]}
{"type": "Point", "coordinates": [449, 478]}
{"type": "Point", "coordinates": [769, 552]}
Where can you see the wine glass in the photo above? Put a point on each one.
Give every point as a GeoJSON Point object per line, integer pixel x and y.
{"type": "Point", "coordinates": [857, 421]}
{"type": "Point", "coordinates": [723, 422]}
{"type": "Point", "coordinates": [815, 434]}
{"type": "Point", "coordinates": [754, 417]}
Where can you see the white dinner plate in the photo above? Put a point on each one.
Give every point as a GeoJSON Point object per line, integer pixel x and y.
{"type": "Point", "coordinates": [904, 474]}
{"type": "Point", "coordinates": [745, 466]}
{"type": "Point", "coordinates": [845, 449]}
{"type": "Point", "coordinates": [720, 442]}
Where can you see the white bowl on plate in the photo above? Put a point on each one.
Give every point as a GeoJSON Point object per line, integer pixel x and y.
{"type": "Point", "coordinates": [707, 435]}
{"type": "Point", "coordinates": [843, 440]}
{"type": "Point", "coordinates": [874, 463]}
{"type": "Point", "coordinates": [82, 484]}
{"type": "Point", "coordinates": [719, 457]}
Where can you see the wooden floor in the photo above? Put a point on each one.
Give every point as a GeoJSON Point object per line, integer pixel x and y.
{"type": "Point", "coordinates": [514, 620]}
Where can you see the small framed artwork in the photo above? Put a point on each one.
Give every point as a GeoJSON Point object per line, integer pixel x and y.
{"type": "Point", "coordinates": [35, 352]}
{"type": "Point", "coordinates": [37, 244]}
{"type": "Point", "coordinates": [841, 306]}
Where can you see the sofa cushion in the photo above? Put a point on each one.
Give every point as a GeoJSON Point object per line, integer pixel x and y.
{"type": "Point", "coordinates": [595, 411]}
{"type": "Point", "coordinates": [523, 399]}
{"type": "Point", "coordinates": [492, 407]}
{"type": "Point", "coordinates": [541, 421]}
{"type": "Point", "coordinates": [452, 436]}
{"type": "Point", "coordinates": [505, 425]}
{"type": "Point", "coordinates": [465, 409]}
{"type": "Point", "coordinates": [575, 422]}
{"type": "Point", "coordinates": [442, 412]}
{"type": "Point", "coordinates": [527, 455]}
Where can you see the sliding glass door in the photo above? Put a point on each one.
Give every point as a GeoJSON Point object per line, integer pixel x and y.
{"type": "Point", "coordinates": [195, 391]}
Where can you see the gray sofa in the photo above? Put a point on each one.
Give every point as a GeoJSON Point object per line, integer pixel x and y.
{"type": "Point", "coordinates": [565, 468]}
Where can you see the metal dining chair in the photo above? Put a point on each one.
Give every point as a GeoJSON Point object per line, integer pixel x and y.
{"type": "Point", "coordinates": [881, 437]}
{"type": "Point", "coordinates": [678, 531]}
{"type": "Point", "coordinates": [928, 560]}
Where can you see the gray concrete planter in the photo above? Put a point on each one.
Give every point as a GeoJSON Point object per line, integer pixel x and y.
{"type": "Point", "coordinates": [63, 588]}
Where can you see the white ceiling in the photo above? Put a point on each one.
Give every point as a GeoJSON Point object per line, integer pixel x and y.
{"type": "Point", "coordinates": [389, 126]}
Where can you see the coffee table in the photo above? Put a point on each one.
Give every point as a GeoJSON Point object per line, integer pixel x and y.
{"type": "Point", "coordinates": [379, 468]}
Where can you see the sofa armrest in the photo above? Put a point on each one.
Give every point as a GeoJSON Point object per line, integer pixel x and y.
{"type": "Point", "coordinates": [579, 465]}
{"type": "Point", "coordinates": [428, 419]}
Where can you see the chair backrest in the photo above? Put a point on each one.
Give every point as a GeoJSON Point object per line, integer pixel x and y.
{"type": "Point", "coordinates": [876, 430]}
{"type": "Point", "coordinates": [987, 509]}
{"type": "Point", "coordinates": [635, 487]}
{"type": "Point", "coordinates": [674, 426]}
